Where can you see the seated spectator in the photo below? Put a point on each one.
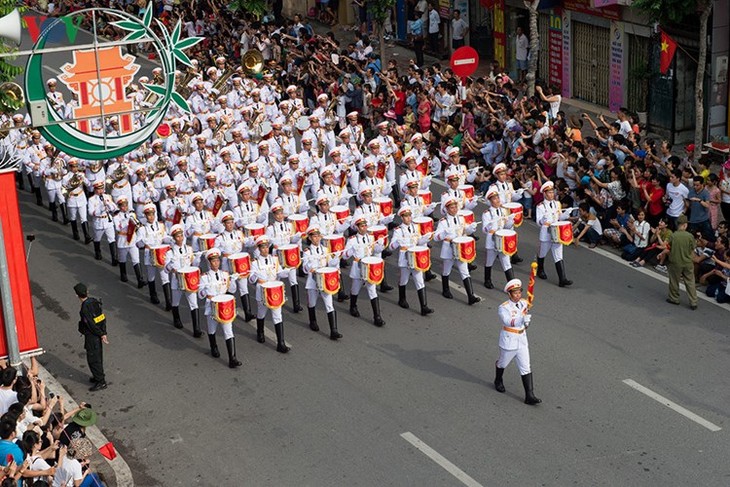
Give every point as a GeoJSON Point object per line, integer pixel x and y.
{"type": "Point", "coordinates": [657, 248]}
{"type": "Point", "coordinates": [637, 232]}
{"type": "Point", "coordinates": [8, 448]}
{"type": "Point", "coordinates": [717, 278]}
{"type": "Point", "coordinates": [617, 234]}
{"type": "Point", "coordinates": [588, 227]}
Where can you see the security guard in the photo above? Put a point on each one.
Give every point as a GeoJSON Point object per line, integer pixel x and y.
{"type": "Point", "coordinates": [93, 326]}
{"type": "Point", "coordinates": [214, 283]}
{"type": "Point", "coordinates": [515, 319]}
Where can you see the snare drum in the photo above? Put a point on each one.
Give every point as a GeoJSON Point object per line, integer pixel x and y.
{"type": "Point", "coordinates": [467, 216]}
{"type": "Point", "coordinates": [189, 279]}
{"type": "Point", "coordinates": [426, 196]}
{"type": "Point", "coordinates": [158, 254]}
{"type": "Point", "coordinates": [372, 269]}
{"type": "Point", "coordinates": [254, 230]}
{"type": "Point", "coordinates": [505, 241]}
{"type": "Point", "coordinates": [289, 256]}
{"type": "Point", "coordinates": [516, 211]}
{"type": "Point", "coordinates": [465, 248]}
{"type": "Point", "coordinates": [467, 190]}
{"type": "Point", "coordinates": [334, 243]}
{"type": "Point", "coordinates": [300, 222]}
{"type": "Point", "coordinates": [379, 231]}
{"type": "Point", "coordinates": [273, 294]}
{"type": "Point", "coordinates": [207, 241]}
{"type": "Point", "coordinates": [419, 258]}
{"type": "Point", "coordinates": [240, 263]}
{"type": "Point", "coordinates": [425, 225]}
{"type": "Point", "coordinates": [327, 279]}
{"type": "Point", "coordinates": [385, 204]}
{"type": "Point", "coordinates": [223, 308]}
{"type": "Point", "coordinates": [341, 212]}
{"type": "Point", "coordinates": [561, 232]}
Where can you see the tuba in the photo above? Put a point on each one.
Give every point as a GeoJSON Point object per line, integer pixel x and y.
{"type": "Point", "coordinates": [221, 83]}
{"type": "Point", "coordinates": [253, 62]}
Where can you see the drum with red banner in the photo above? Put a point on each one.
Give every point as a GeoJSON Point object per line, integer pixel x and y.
{"type": "Point", "coordinates": [426, 196]}
{"type": "Point", "coordinates": [328, 279]}
{"type": "Point", "coordinates": [465, 248]}
{"type": "Point", "coordinates": [289, 256]}
{"type": "Point", "coordinates": [341, 212]}
{"type": "Point", "coordinates": [467, 216]}
{"type": "Point", "coordinates": [467, 190]}
{"type": "Point", "coordinates": [158, 254]}
{"type": "Point", "coordinates": [207, 241]}
{"type": "Point", "coordinates": [505, 241]}
{"type": "Point", "coordinates": [378, 232]}
{"type": "Point", "coordinates": [372, 269]}
{"type": "Point", "coordinates": [299, 222]}
{"type": "Point", "coordinates": [223, 308]}
{"type": "Point", "coordinates": [240, 263]}
{"type": "Point", "coordinates": [334, 243]}
{"type": "Point", "coordinates": [189, 279]}
{"type": "Point", "coordinates": [385, 204]}
{"type": "Point", "coordinates": [516, 211]}
{"type": "Point", "coordinates": [424, 224]}
{"type": "Point", "coordinates": [419, 258]}
{"type": "Point", "coordinates": [254, 230]}
{"type": "Point", "coordinates": [274, 297]}
{"type": "Point", "coordinates": [562, 232]}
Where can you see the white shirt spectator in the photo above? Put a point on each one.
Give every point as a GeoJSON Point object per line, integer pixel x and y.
{"type": "Point", "coordinates": [434, 20]}
{"type": "Point", "coordinates": [7, 398]}
{"type": "Point", "coordinates": [522, 44]}
{"type": "Point", "coordinates": [676, 196]}
{"type": "Point", "coordinates": [459, 28]}
{"type": "Point", "coordinates": [68, 473]}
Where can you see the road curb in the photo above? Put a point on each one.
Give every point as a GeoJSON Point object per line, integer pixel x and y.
{"type": "Point", "coordinates": [121, 469]}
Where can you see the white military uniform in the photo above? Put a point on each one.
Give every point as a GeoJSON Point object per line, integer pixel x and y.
{"type": "Point", "coordinates": [152, 235]}
{"type": "Point", "coordinates": [316, 257]}
{"type": "Point", "coordinates": [216, 283]}
{"type": "Point", "coordinates": [126, 238]}
{"type": "Point", "coordinates": [282, 233]}
{"type": "Point", "coordinates": [101, 208]}
{"type": "Point", "coordinates": [450, 227]}
{"type": "Point", "coordinates": [404, 237]}
{"type": "Point", "coordinates": [177, 258]}
{"type": "Point", "coordinates": [266, 269]}
{"type": "Point", "coordinates": [230, 243]}
{"type": "Point", "coordinates": [357, 247]}
{"type": "Point", "coordinates": [549, 212]}
{"type": "Point", "coordinates": [494, 219]}
{"type": "Point", "coordinates": [513, 337]}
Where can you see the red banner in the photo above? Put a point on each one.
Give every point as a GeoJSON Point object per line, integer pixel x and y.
{"type": "Point", "coordinates": [14, 242]}
{"type": "Point", "coordinates": [666, 53]}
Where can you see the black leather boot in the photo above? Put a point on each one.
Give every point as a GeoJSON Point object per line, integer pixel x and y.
{"type": "Point", "coordinates": [332, 319]}
{"type": "Point", "coordinates": [296, 304]}
{"type": "Point", "coordinates": [153, 293]}
{"type": "Point", "coordinates": [344, 264]}
{"type": "Point", "coordinates": [54, 211]}
{"type": "Point", "coordinates": [402, 297]}
{"type": "Point", "coordinates": [246, 305]}
{"type": "Point", "coordinates": [498, 384]}
{"type": "Point", "coordinates": [213, 345]}
{"type": "Point", "coordinates": [31, 188]}
{"type": "Point", "coordinates": [260, 337]}
{"type": "Point", "coordinates": [97, 250]}
{"type": "Point", "coordinates": [138, 274]}
{"type": "Point", "coordinates": [541, 268]}
{"type": "Point", "coordinates": [377, 319]}
{"type": "Point", "coordinates": [313, 319]}
{"type": "Point", "coordinates": [471, 266]}
{"type": "Point", "coordinates": [167, 292]}
{"type": "Point", "coordinates": [529, 395]}
{"type": "Point", "coordinates": [384, 286]}
{"type": "Point", "coordinates": [488, 278]}
{"type": "Point", "coordinates": [516, 259]}
{"type": "Point", "coordinates": [562, 280]}
{"type": "Point", "coordinates": [429, 276]}
{"type": "Point", "coordinates": [176, 321]}
{"type": "Point", "coordinates": [233, 361]}
{"type": "Point", "coordinates": [64, 213]}
{"type": "Point", "coordinates": [123, 272]}
{"type": "Point", "coordinates": [445, 289]}
{"type": "Point", "coordinates": [509, 274]}
{"type": "Point", "coordinates": [473, 299]}
{"type": "Point", "coordinates": [353, 306]}
{"type": "Point", "coordinates": [425, 310]}
{"type": "Point", "coordinates": [196, 323]}
{"type": "Point", "coordinates": [342, 296]}
{"type": "Point", "coordinates": [19, 179]}
{"type": "Point", "coordinates": [113, 251]}
{"type": "Point", "coordinates": [38, 196]}
{"type": "Point", "coordinates": [87, 235]}
{"type": "Point", "coordinates": [280, 343]}
{"type": "Point", "coordinates": [75, 230]}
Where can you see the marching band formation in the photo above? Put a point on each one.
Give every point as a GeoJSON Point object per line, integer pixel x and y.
{"type": "Point", "coordinates": [254, 190]}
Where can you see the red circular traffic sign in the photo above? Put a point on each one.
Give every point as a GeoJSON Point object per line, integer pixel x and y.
{"type": "Point", "coordinates": [464, 61]}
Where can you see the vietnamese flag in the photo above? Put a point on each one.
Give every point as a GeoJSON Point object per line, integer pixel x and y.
{"type": "Point", "coordinates": [666, 53]}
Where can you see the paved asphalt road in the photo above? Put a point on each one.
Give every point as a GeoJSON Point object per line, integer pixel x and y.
{"type": "Point", "coordinates": [332, 414]}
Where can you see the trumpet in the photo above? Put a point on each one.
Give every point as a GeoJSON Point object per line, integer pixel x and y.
{"type": "Point", "coordinates": [135, 221]}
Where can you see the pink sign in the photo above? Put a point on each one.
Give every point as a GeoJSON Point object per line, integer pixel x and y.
{"type": "Point", "coordinates": [616, 67]}
{"type": "Point", "coordinates": [555, 49]}
{"type": "Point", "coordinates": [567, 72]}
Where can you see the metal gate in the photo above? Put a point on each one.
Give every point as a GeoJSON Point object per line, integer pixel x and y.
{"type": "Point", "coordinates": [639, 70]}
{"type": "Point", "coordinates": [590, 63]}
{"type": "Point", "coordinates": [543, 61]}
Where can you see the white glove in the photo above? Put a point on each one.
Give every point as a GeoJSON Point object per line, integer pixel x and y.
{"type": "Point", "coordinates": [526, 320]}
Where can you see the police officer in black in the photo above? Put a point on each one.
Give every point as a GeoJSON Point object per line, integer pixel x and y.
{"type": "Point", "coordinates": [93, 326]}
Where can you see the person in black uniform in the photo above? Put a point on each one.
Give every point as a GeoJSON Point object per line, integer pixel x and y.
{"type": "Point", "coordinates": [93, 326]}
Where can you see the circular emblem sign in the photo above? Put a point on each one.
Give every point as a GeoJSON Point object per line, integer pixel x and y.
{"type": "Point", "coordinates": [99, 77]}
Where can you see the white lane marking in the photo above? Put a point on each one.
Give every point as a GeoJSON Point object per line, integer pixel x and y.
{"type": "Point", "coordinates": [440, 460]}
{"type": "Point", "coordinates": [672, 405]}
{"type": "Point", "coordinates": [121, 470]}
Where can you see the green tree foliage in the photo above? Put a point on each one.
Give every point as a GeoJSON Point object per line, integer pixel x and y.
{"type": "Point", "coordinates": [257, 8]}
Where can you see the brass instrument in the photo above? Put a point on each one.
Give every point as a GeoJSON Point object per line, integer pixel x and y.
{"type": "Point", "coordinates": [182, 87]}
{"type": "Point", "coordinates": [320, 143]}
{"type": "Point", "coordinates": [220, 84]}
{"type": "Point", "coordinates": [150, 99]}
{"type": "Point", "coordinates": [5, 129]}
{"type": "Point", "coordinates": [253, 61]}
{"type": "Point", "coordinates": [184, 139]}
{"type": "Point", "coordinates": [119, 173]}
{"type": "Point", "coordinates": [96, 166]}
{"type": "Point", "coordinates": [160, 166]}
{"type": "Point", "coordinates": [58, 164]}
{"type": "Point", "coordinates": [11, 95]}
{"type": "Point", "coordinates": [135, 221]}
